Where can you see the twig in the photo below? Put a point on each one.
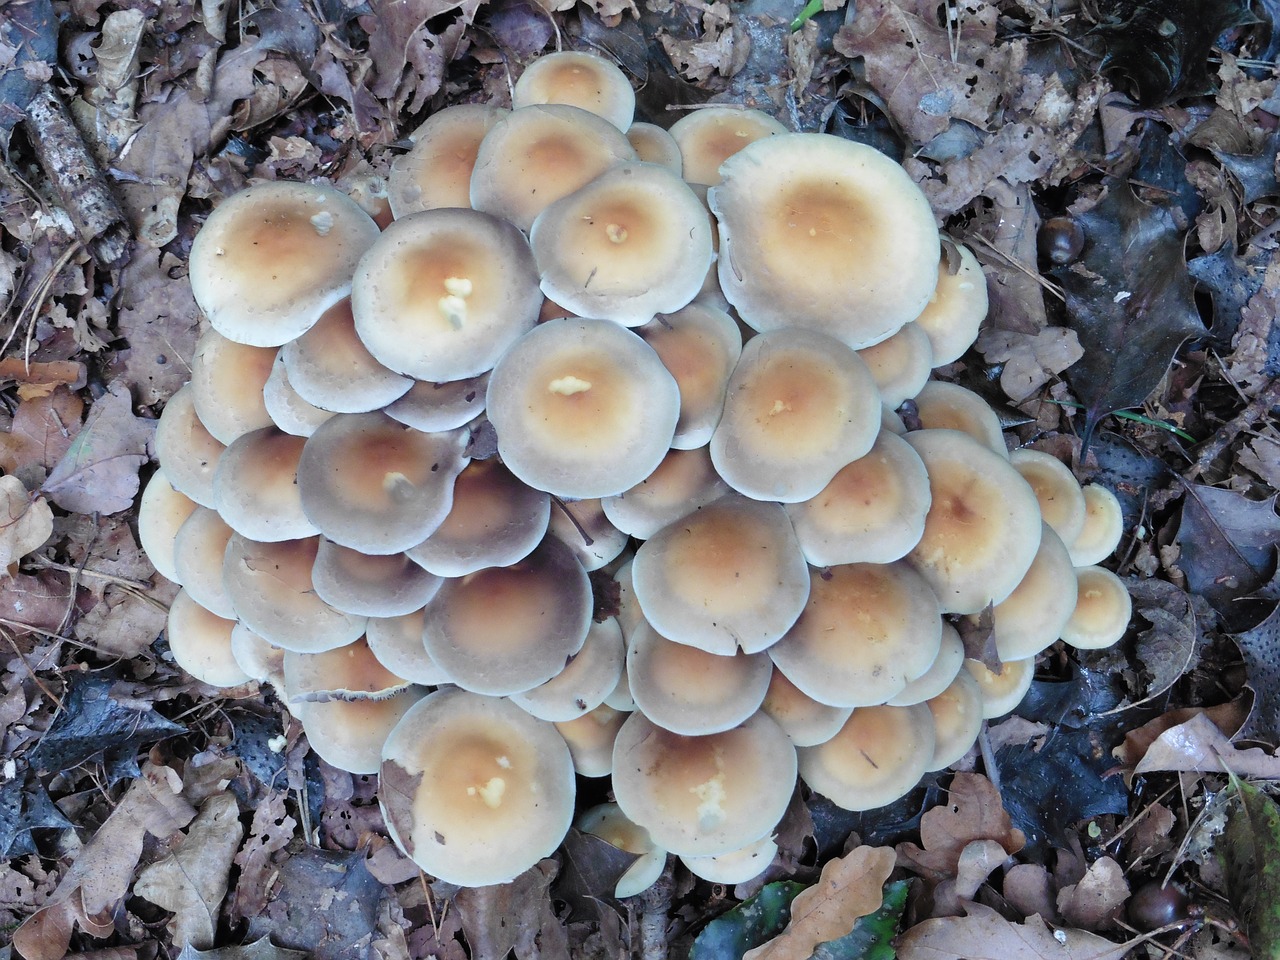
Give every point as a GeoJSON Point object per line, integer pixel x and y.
{"type": "Point", "coordinates": [1257, 408]}
{"type": "Point", "coordinates": [30, 670]}
{"type": "Point", "coordinates": [94, 574]}
{"type": "Point", "coordinates": [655, 916]}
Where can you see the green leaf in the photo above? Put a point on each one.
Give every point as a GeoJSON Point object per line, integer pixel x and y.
{"type": "Point", "coordinates": [872, 936]}
{"type": "Point", "coordinates": [1250, 855]}
{"type": "Point", "coordinates": [747, 925]}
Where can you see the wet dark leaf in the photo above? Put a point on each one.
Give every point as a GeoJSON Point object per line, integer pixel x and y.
{"type": "Point", "coordinates": [884, 826]}
{"type": "Point", "coordinates": [1172, 646]}
{"type": "Point", "coordinates": [1129, 472]}
{"type": "Point", "coordinates": [591, 871]}
{"type": "Point", "coordinates": [25, 806]}
{"type": "Point", "coordinates": [1228, 545]}
{"type": "Point", "coordinates": [1260, 647]}
{"type": "Point", "coordinates": [747, 925]}
{"type": "Point", "coordinates": [1129, 299]}
{"type": "Point", "coordinates": [1250, 855]}
{"type": "Point", "coordinates": [1231, 281]}
{"type": "Point", "coordinates": [521, 27]}
{"type": "Point", "coordinates": [258, 950]}
{"type": "Point", "coordinates": [30, 27]}
{"type": "Point", "coordinates": [1255, 172]}
{"type": "Point", "coordinates": [871, 936]}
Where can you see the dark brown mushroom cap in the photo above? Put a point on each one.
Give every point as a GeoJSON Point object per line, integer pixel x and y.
{"type": "Point", "coordinates": [503, 630]}
{"type": "Point", "coordinates": [388, 585]}
{"type": "Point", "coordinates": [709, 136]}
{"type": "Point", "coordinates": [187, 451]}
{"type": "Point", "coordinates": [580, 79]}
{"type": "Point", "coordinates": [728, 576]}
{"type": "Point", "coordinates": [879, 755]}
{"type": "Point", "coordinates": [475, 790]}
{"type": "Point", "coordinates": [270, 259]}
{"type": "Point", "coordinates": [437, 171]}
{"type": "Point", "coordinates": [375, 485]}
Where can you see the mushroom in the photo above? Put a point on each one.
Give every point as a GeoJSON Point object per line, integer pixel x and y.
{"type": "Point", "coordinates": [1061, 499]}
{"type": "Point", "coordinates": [397, 643]}
{"type": "Point", "coordinates": [588, 677]}
{"type": "Point", "coordinates": [806, 721]}
{"type": "Point", "coordinates": [579, 79]}
{"type": "Point", "coordinates": [1036, 613]}
{"type": "Point", "coordinates": [388, 585]}
{"type": "Point", "coordinates": [187, 451]}
{"type": "Point", "coordinates": [200, 642]}
{"type": "Point", "coordinates": [949, 406]}
{"type": "Point", "coordinates": [710, 135]}
{"type": "Point", "coordinates": [736, 866]}
{"type": "Point", "coordinates": [590, 739]}
{"type": "Point", "coordinates": [273, 257]}
{"type": "Point", "coordinates": [586, 530]}
{"type": "Point", "coordinates": [227, 379]}
{"type": "Point", "coordinates": [1002, 689]}
{"type": "Point", "coordinates": [286, 408]}
{"type": "Point", "coordinates": [957, 720]}
{"type": "Point", "coordinates": [1102, 530]}
{"type": "Point", "coordinates": [437, 171]}
{"type": "Point", "coordinates": [350, 734]}
{"type": "Point", "coordinates": [682, 482]}
{"type": "Point", "coordinates": [900, 365]}
{"type": "Point", "coordinates": [440, 406]}
{"type": "Point", "coordinates": [949, 662]}
{"type": "Point", "coordinates": [653, 144]}
{"type": "Point", "coordinates": [199, 548]}
{"type": "Point", "coordinates": [1102, 610]}
{"type": "Point", "coordinates": [255, 488]}
{"type": "Point", "coordinates": [957, 308]}
{"type": "Point", "coordinates": [879, 755]}
{"type": "Point", "coordinates": [611, 825]}
{"type": "Point", "coordinates": [161, 513]}
{"type": "Point", "coordinates": [349, 672]}
{"type": "Point", "coordinates": [474, 790]}
{"type": "Point", "coordinates": [259, 659]}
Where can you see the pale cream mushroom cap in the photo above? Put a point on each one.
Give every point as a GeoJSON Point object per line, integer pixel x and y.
{"type": "Point", "coordinates": [349, 672]}
{"type": "Point", "coordinates": [386, 585]}
{"type": "Point", "coordinates": [806, 721]}
{"type": "Point", "coordinates": [957, 720]}
{"type": "Point", "coordinates": [444, 293]}
{"type": "Point", "coordinates": [704, 796]}
{"type": "Point", "coordinates": [161, 513]}
{"type": "Point", "coordinates": [879, 755]}
{"type": "Point", "coordinates": [901, 364]}
{"type": "Point", "coordinates": [397, 643]}
{"type": "Point", "coordinates": [255, 488]}
{"type": "Point", "coordinates": [227, 379]}
{"type": "Point", "coordinates": [682, 482]}
{"type": "Point", "coordinates": [286, 408]}
{"type": "Point", "coordinates": [1004, 689]}
{"type": "Point", "coordinates": [983, 526]}
{"type": "Point", "coordinates": [579, 79]}
{"type": "Point", "coordinates": [937, 678]}
{"type": "Point", "coordinates": [728, 576]}
{"type": "Point", "coordinates": [736, 866]}
{"type": "Point", "coordinates": [872, 511]}
{"type": "Point", "coordinates": [710, 135]}
{"type": "Point", "coordinates": [199, 548]}
{"type": "Point", "coordinates": [891, 422]}
{"type": "Point", "coordinates": [824, 233]}
{"type": "Point", "coordinates": [187, 451]}
{"type": "Point", "coordinates": [271, 258]}
{"type": "Point", "coordinates": [630, 616]}
{"type": "Point", "coordinates": [259, 659]}
{"type": "Point", "coordinates": [201, 643]}
{"type": "Point", "coordinates": [799, 406]}
{"type": "Point", "coordinates": [611, 825]}
{"type": "Point", "coordinates": [350, 734]}
{"type": "Point", "coordinates": [653, 144]}
{"type": "Point", "coordinates": [949, 406]}
{"type": "Point", "coordinates": [535, 155]}
{"type": "Point", "coordinates": [476, 791]}
{"type": "Point", "coordinates": [437, 171]}
{"type": "Point", "coordinates": [1102, 612]}
{"type": "Point", "coordinates": [867, 630]}
{"type": "Point", "coordinates": [588, 677]}
{"type": "Point", "coordinates": [590, 739]}
{"type": "Point", "coordinates": [1035, 614]}
{"type": "Point", "coordinates": [1103, 527]}
{"type": "Point", "coordinates": [1061, 500]}
{"type": "Point", "coordinates": [583, 408]}
{"type": "Point", "coordinates": [632, 243]}
{"type": "Point", "coordinates": [440, 406]}
{"type": "Point", "coordinates": [584, 528]}
{"type": "Point", "coordinates": [956, 309]}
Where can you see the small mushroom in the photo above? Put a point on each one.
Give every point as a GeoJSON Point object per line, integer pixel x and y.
{"type": "Point", "coordinates": [349, 672]}
{"type": "Point", "coordinates": [584, 528]}
{"type": "Point", "coordinates": [437, 171]}
{"type": "Point", "coordinates": [682, 482]}
{"type": "Point", "coordinates": [187, 451]}
{"type": "Point", "coordinates": [199, 548]}
{"type": "Point", "coordinates": [387, 585]}
{"type": "Point", "coordinates": [806, 721]}
{"type": "Point", "coordinates": [736, 866]}
{"type": "Point", "coordinates": [440, 406]}
{"type": "Point", "coordinates": [580, 79]}
{"type": "Point", "coordinates": [709, 136]}
{"type": "Point", "coordinates": [227, 379]}
{"type": "Point", "coordinates": [611, 825]}
{"type": "Point", "coordinates": [1002, 689]}
{"type": "Point", "coordinates": [286, 408]}
{"type": "Point", "coordinates": [1035, 614]}
{"type": "Point", "coordinates": [349, 734]}
{"type": "Point", "coordinates": [588, 677]}
{"type": "Point", "coordinates": [397, 643]}
{"type": "Point", "coordinates": [957, 307]}
{"type": "Point", "coordinates": [957, 720]}
{"type": "Point", "coordinates": [200, 642]}
{"type": "Point", "coordinates": [161, 513]}
{"type": "Point", "coordinates": [949, 406]}
{"type": "Point", "coordinates": [1102, 530]}
{"type": "Point", "coordinates": [255, 488]}
{"type": "Point", "coordinates": [900, 365]}
{"type": "Point", "coordinates": [653, 144]}
{"type": "Point", "coordinates": [879, 755]}
{"type": "Point", "coordinates": [1061, 500]}
{"type": "Point", "coordinates": [1102, 610]}
{"type": "Point", "coordinates": [949, 662]}
{"type": "Point", "coordinates": [590, 739]}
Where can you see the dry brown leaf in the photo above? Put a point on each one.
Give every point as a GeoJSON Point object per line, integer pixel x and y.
{"type": "Point", "coordinates": [850, 887]}
{"type": "Point", "coordinates": [985, 935]}
{"type": "Point", "coordinates": [973, 812]}
{"type": "Point", "coordinates": [515, 916]}
{"type": "Point", "coordinates": [1229, 716]}
{"type": "Point", "coordinates": [1198, 746]}
{"type": "Point", "coordinates": [270, 832]}
{"type": "Point", "coordinates": [99, 471]}
{"type": "Point", "coordinates": [1030, 360]}
{"type": "Point", "coordinates": [25, 523]}
{"type": "Point", "coordinates": [1029, 889]}
{"type": "Point", "coordinates": [1095, 903]}
{"type": "Point", "coordinates": [43, 428]}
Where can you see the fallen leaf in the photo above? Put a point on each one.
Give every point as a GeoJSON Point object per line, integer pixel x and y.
{"type": "Point", "coordinates": [271, 830]}
{"type": "Point", "coordinates": [1172, 646]}
{"type": "Point", "coordinates": [515, 916]}
{"type": "Point", "coordinates": [872, 935]}
{"type": "Point", "coordinates": [1030, 360]}
{"type": "Point", "coordinates": [1097, 900]}
{"type": "Point", "coordinates": [262, 949]}
{"type": "Point", "coordinates": [592, 868]}
{"type": "Point", "coordinates": [1260, 647]}
{"type": "Point", "coordinates": [157, 321]}
{"type": "Point", "coordinates": [1229, 716]}
{"type": "Point", "coordinates": [1249, 852]}
{"type": "Point", "coordinates": [973, 811]}
{"type": "Point", "coordinates": [985, 935]}
{"type": "Point", "coordinates": [42, 430]}
{"type": "Point", "coordinates": [1228, 544]}
{"type": "Point", "coordinates": [25, 522]}
{"type": "Point", "coordinates": [747, 925]}
{"type": "Point", "coordinates": [1198, 746]}
{"type": "Point", "coordinates": [850, 887]}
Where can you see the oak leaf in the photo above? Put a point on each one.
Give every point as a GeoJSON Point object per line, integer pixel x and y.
{"type": "Point", "coordinates": [985, 935]}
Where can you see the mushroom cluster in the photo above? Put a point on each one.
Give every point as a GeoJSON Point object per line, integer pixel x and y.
{"type": "Point", "coordinates": [564, 342]}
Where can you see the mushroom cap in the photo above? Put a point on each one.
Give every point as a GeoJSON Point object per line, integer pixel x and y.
{"type": "Point", "coordinates": [271, 258]}
{"type": "Point", "coordinates": [161, 513]}
{"type": "Point", "coordinates": [375, 485]}
{"type": "Point", "coordinates": [286, 408]}
{"type": "Point", "coordinates": [227, 379]}
{"type": "Point", "coordinates": [440, 406]}
{"type": "Point", "coordinates": [799, 406]}
{"type": "Point", "coordinates": [199, 547]}
{"type": "Point", "coordinates": [1061, 500]}
{"type": "Point", "coordinates": [704, 796]}
{"type": "Point", "coordinates": [710, 135]}
{"type": "Point", "coordinates": [1103, 527]}
{"type": "Point", "coordinates": [949, 406]}
{"type": "Point", "coordinates": [682, 482]}
{"type": "Point", "coordinates": [630, 615]}
{"type": "Point", "coordinates": [349, 734]}
{"type": "Point", "coordinates": [255, 488]}
{"type": "Point", "coordinates": [824, 233]}
{"type": "Point", "coordinates": [583, 408]}
{"type": "Point", "coordinates": [387, 585]}
{"type": "Point", "coordinates": [736, 866]}
{"type": "Point", "coordinates": [579, 79]}
{"type": "Point", "coordinates": [728, 576]}
{"type": "Point", "coordinates": [259, 659]}
{"type": "Point", "coordinates": [957, 308]}
{"type": "Point", "coordinates": [867, 630]}
{"type": "Point", "coordinates": [330, 368]}
{"type": "Point", "coordinates": [901, 364]}
{"type": "Point", "coordinates": [653, 144]}
{"type": "Point", "coordinates": [872, 511]}
{"type": "Point", "coordinates": [350, 672]}
{"type": "Point", "coordinates": [1035, 614]}
{"type": "Point", "coordinates": [806, 721]}
{"type": "Point", "coordinates": [584, 528]}
{"type": "Point", "coordinates": [1003, 690]}
{"type": "Point", "coordinates": [690, 691]}
{"type": "Point", "coordinates": [495, 520]}
{"type": "Point", "coordinates": [937, 678]}
{"type": "Point", "coordinates": [397, 643]}
{"type": "Point", "coordinates": [1102, 611]}
{"type": "Point", "coordinates": [590, 739]}
{"type": "Point", "coordinates": [437, 171]}
{"type": "Point", "coordinates": [983, 527]}
{"type": "Point", "coordinates": [588, 677]}
{"type": "Point", "coordinates": [200, 642]}
{"type": "Point", "coordinates": [879, 755]}
{"type": "Point", "coordinates": [504, 630]}
{"type": "Point", "coordinates": [476, 791]}
{"type": "Point", "coordinates": [187, 451]}
{"type": "Point", "coordinates": [611, 825]}
{"type": "Point", "coordinates": [957, 720]}
{"type": "Point", "coordinates": [535, 155]}
{"type": "Point", "coordinates": [444, 293]}
{"type": "Point", "coordinates": [633, 242]}
{"type": "Point", "coordinates": [700, 345]}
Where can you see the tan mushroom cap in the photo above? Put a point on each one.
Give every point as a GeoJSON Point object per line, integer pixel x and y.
{"type": "Point", "coordinates": [579, 79]}
{"type": "Point", "coordinates": [271, 590]}
{"type": "Point", "coordinates": [1061, 499]}
{"type": "Point", "coordinates": [255, 488]}
{"type": "Point", "coordinates": [590, 739]}
{"type": "Point", "coordinates": [186, 450]}
{"type": "Point", "coordinates": [728, 576]}
{"type": "Point", "coordinates": [161, 513]}
{"type": "Point", "coordinates": [799, 406]}
{"type": "Point", "coordinates": [350, 672]}
{"type": "Point", "coordinates": [709, 136]}
{"type": "Point", "coordinates": [1004, 689]}
{"type": "Point", "coordinates": [583, 408]}
{"type": "Point", "coordinates": [806, 721]}
{"type": "Point", "coordinates": [584, 528]}
{"type": "Point", "coordinates": [1103, 527]}
{"type": "Point", "coordinates": [535, 155]}
{"type": "Point", "coordinates": [199, 548]}
{"type": "Point", "coordinates": [653, 144]}
{"type": "Point", "coordinates": [957, 720]}
{"type": "Point", "coordinates": [350, 734]}
{"type": "Point", "coordinates": [872, 511]}
{"type": "Point", "coordinates": [330, 367]}
{"type": "Point", "coordinates": [957, 308]}
{"type": "Point", "coordinates": [867, 630]}
{"type": "Point", "coordinates": [704, 796]}
{"type": "Point", "coordinates": [937, 678]}
{"type": "Point", "coordinates": [611, 825]}
{"type": "Point", "coordinates": [397, 643]}
{"type": "Point", "coordinates": [901, 364]}
{"type": "Point", "coordinates": [1102, 612]}
{"type": "Point", "coordinates": [270, 259]}
{"type": "Point", "coordinates": [824, 233]}
{"type": "Point", "coordinates": [387, 585]}
{"type": "Point", "coordinates": [690, 691]}
{"type": "Point", "coordinates": [286, 408]}
{"type": "Point", "coordinates": [1036, 613]}
{"type": "Point", "coordinates": [588, 677]}
{"type": "Point", "coordinates": [437, 171]}
{"type": "Point", "coordinates": [630, 615]}
{"type": "Point", "coordinates": [440, 406]}
{"type": "Point", "coordinates": [736, 866]}
{"type": "Point", "coordinates": [891, 422]}
{"type": "Point", "coordinates": [377, 486]}
{"type": "Point", "coordinates": [700, 345]}
{"type": "Point", "coordinates": [495, 520]}
{"type": "Point", "coordinates": [983, 527]}
{"type": "Point", "coordinates": [201, 643]}
{"type": "Point", "coordinates": [444, 293]}
{"type": "Point", "coordinates": [503, 630]}
{"type": "Point", "coordinates": [632, 243]}
{"type": "Point", "coordinates": [682, 482]}
{"type": "Point", "coordinates": [474, 789]}
{"type": "Point", "coordinates": [259, 659]}
{"type": "Point", "coordinates": [879, 755]}
{"type": "Point", "coordinates": [949, 406]}
{"type": "Point", "coordinates": [227, 379]}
